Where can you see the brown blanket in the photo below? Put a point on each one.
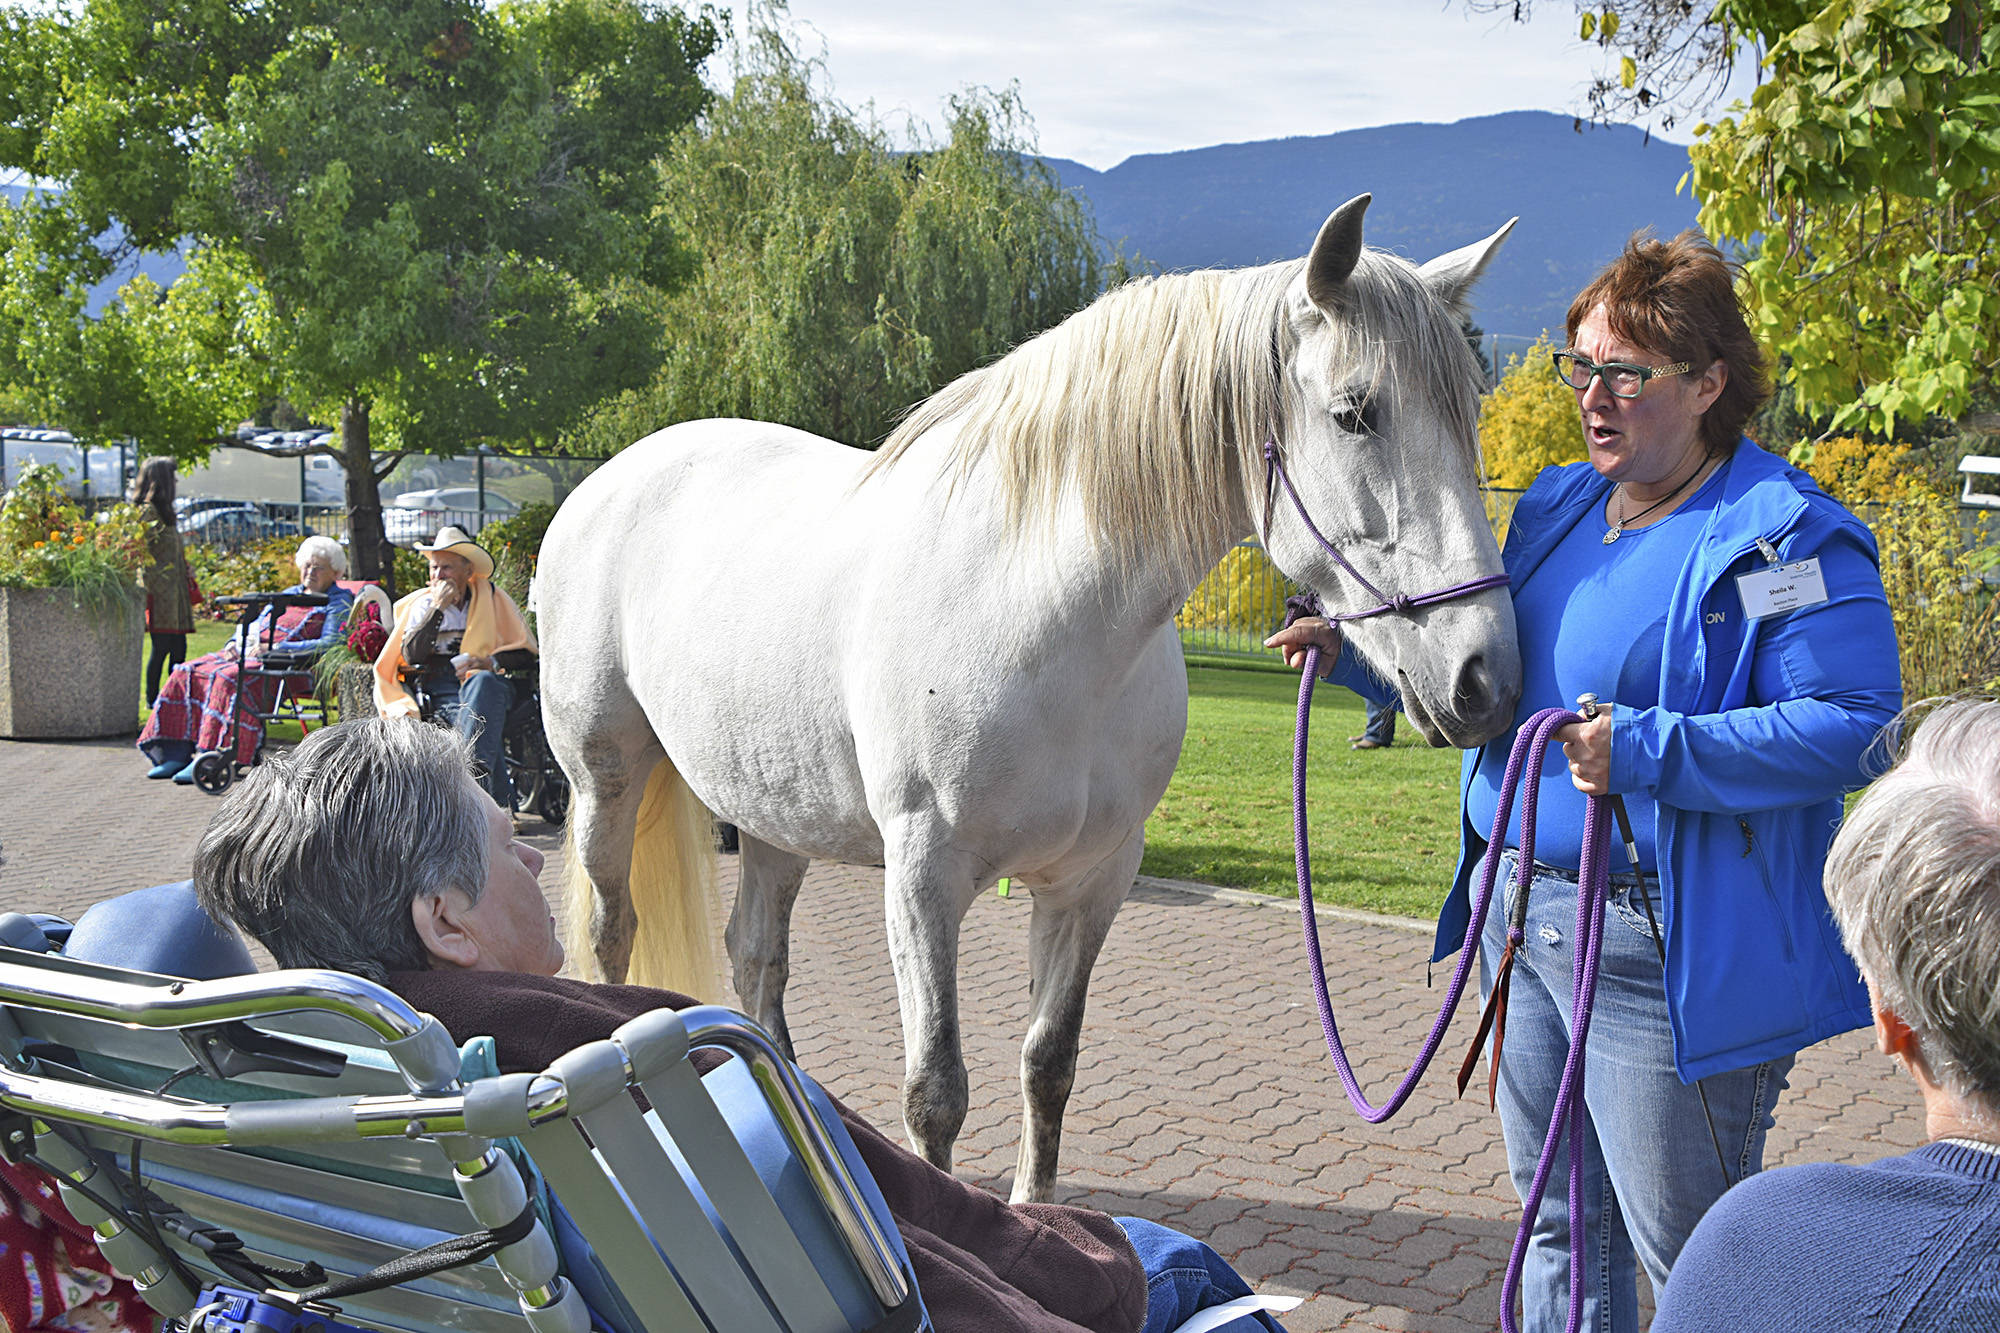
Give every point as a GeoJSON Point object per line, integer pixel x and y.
{"type": "Point", "coordinates": [981, 1264]}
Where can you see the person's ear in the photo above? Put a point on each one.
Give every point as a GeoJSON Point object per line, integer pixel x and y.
{"type": "Point", "coordinates": [443, 930]}
{"type": "Point", "coordinates": [1711, 384]}
{"type": "Point", "coordinates": [1892, 1035]}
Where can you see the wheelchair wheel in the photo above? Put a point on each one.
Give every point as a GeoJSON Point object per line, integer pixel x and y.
{"type": "Point", "coordinates": [213, 772]}
{"type": "Point", "coordinates": [552, 798]}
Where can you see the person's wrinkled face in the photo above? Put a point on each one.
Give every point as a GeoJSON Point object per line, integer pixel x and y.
{"type": "Point", "coordinates": [1652, 437]}
{"type": "Point", "coordinates": [315, 574]}
{"type": "Point", "coordinates": [511, 920]}
{"type": "Point", "coordinates": [450, 566]}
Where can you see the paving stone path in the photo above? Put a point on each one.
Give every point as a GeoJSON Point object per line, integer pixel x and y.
{"type": "Point", "coordinates": [1204, 1097]}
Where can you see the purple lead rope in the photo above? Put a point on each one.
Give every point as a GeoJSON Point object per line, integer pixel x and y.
{"type": "Point", "coordinates": [1530, 751]}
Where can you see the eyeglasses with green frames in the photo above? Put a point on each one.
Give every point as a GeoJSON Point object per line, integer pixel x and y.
{"type": "Point", "coordinates": [1624, 379]}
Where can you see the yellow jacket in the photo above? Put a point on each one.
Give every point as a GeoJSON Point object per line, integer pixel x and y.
{"type": "Point", "coordinates": [493, 624]}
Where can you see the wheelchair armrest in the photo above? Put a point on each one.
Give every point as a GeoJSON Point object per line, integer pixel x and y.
{"type": "Point", "coordinates": [516, 659]}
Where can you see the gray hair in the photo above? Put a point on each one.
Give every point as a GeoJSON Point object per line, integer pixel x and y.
{"type": "Point", "coordinates": [1914, 880]}
{"type": "Point", "coordinates": [327, 549]}
{"type": "Point", "coordinates": [320, 852]}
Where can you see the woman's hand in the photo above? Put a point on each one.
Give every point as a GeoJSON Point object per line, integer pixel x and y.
{"type": "Point", "coordinates": [1307, 632]}
{"type": "Point", "coordinates": [1587, 746]}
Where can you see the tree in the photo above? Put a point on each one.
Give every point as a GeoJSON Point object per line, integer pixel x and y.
{"type": "Point", "coordinates": [1529, 421]}
{"type": "Point", "coordinates": [1862, 183]}
{"type": "Point", "coordinates": [431, 220]}
{"type": "Point", "coordinates": [841, 279]}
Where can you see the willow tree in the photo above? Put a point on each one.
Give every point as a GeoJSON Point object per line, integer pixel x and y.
{"type": "Point", "coordinates": [841, 277]}
{"type": "Point", "coordinates": [431, 221]}
{"type": "Point", "coordinates": [1861, 182]}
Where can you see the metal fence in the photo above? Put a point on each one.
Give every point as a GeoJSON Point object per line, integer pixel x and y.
{"type": "Point", "coordinates": [1242, 601]}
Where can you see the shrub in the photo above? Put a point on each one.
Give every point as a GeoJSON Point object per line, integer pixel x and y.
{"type": "Point", "coordinates": [1245, 593]}
{"type": "Point", "coordinates": [47, 541]}
{"type": "Point", "coordinates": [1529, 420]}
{"type": "Point", "coordinates": [1933, 566]}
{"type": "Point", "coordinates": [516, 546]}
{"type": "Point", "coordinates": [265, 566]}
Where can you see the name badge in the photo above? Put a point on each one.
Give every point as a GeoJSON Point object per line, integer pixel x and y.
{"type": "Point", "coordinates": [1781, 588]}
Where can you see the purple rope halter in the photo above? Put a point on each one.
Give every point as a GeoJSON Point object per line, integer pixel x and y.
{"type": "Point", "coordinates": [1274, 472]}
{"type": "Point", "coordinates": [1530, 751]}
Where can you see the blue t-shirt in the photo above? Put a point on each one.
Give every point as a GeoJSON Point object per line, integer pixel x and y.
{"type": "Point", "coordinates": [1591, 619]}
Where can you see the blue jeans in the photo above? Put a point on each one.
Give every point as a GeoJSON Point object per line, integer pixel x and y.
{"type": "Point", "coordinates": [1650, 1167]}
{"type": "Point", "coordinates": [1381, 724]}
{"type": "Point", "coordinates": [477, 707]}
{"type": "Point", "coordinates": [1184, 1276]}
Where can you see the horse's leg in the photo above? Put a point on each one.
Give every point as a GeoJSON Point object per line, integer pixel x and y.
{"type": "Point", "coordinates": [927, 890]}
{"type": "Point", "coordinates": [608, 761]}
{"type": "Point", "coordinates": [760, 932]}
{"type": "Point", "coordinates": [1065, 934]}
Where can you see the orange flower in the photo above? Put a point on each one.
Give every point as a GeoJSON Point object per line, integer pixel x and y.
{"type": "Point", "coordinates": [40, 545]}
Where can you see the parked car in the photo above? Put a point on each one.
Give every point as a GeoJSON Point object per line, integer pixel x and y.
{"type": "Point", "coordinates": [235, 525]}
{"type": "Point", "coordinates": [416, 516]}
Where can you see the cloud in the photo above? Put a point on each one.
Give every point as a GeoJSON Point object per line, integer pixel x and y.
{"type": "Point", "coordinates": [1110, 79]}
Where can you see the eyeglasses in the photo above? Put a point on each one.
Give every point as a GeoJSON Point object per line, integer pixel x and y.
{"type": "Point", "coordinates": [1624, 379]}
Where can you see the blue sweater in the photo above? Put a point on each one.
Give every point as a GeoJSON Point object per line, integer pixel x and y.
{"type": "Point", "coordinates": [1910, 1243]}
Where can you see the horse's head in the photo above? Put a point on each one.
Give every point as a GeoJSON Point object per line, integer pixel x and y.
{"type": "Point", "coordinates": [1380, 406]}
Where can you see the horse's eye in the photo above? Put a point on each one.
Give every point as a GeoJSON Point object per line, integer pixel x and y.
{"type": "Point", "coordinates": [1354, 419]}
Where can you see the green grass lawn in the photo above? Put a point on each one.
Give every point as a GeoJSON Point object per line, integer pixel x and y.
{"type": "Point", "coordinates": [1384, 822]}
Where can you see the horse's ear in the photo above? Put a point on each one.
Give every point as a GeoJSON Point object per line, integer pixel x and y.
{"type": "Point", "coordinates": [1335, 252]}
{"type": "Point", "coordinates": [1451, 276]}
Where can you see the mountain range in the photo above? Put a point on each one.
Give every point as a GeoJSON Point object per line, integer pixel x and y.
{"type": "Point", "coordinates": [1579, 195]}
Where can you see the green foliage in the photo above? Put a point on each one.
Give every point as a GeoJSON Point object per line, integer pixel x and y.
{"type": "Point", "coordinates": [841, 280]}
{"type": "Point", "coordinates": [1933, 559]}
{"type": "Point", "coordinates": [516, 546]}
{"type": "Point", "coordinates": [48, 541]}
{"type": "Point", "coordinates": [1529, 421]}
{"type": "Point", "coordinates": [435, 221]}
{"type": "Point", "coordinates": [1863, 181]}
{"type": "Point", "coordinates": [267, 566]}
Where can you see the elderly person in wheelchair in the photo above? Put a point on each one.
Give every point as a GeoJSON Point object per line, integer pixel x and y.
{"type": "Point", "coordinates": [211, 704]}
{"type": "Point", "coordinates": [443, 656]}
{"type": "Point", "coordinates": [368, 849]}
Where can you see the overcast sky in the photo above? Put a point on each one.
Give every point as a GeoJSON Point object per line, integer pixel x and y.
{"type": "Point", "coordinates": [1105, 79]}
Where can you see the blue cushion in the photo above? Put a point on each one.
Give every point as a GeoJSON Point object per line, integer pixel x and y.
{"type": "Point", "coordinates": [162, 930]}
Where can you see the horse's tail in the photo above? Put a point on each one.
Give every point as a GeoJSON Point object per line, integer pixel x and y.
{"type": "Point", "coordinates": [672, 884]}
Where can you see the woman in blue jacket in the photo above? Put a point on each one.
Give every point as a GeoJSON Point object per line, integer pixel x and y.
{"type": "Point", "coordinates": [1733, 616]}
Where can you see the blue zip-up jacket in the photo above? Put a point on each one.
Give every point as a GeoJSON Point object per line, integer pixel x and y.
{"type": "Point", "coordinates": [1761, 727]}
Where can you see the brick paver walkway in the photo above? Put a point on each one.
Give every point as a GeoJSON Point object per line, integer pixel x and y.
{"type": "Point", "coordinates": [1204, 1097]}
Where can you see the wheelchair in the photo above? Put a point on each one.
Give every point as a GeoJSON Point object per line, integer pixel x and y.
{"type": "Point", "coordinates": [538, 781]}
{"type": "Point", "coordinates": [293, 693]}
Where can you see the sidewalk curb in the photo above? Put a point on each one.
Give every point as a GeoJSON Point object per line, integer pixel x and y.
{"type": "Point", "coordinates": [1245, 898]}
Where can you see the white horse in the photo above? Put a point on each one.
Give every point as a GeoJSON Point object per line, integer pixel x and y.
{"type": "Point", "coordinates": [955, 657]}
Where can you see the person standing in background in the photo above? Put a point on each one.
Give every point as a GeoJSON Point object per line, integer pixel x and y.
{"type": "Point", "coordinates": [169, 598]}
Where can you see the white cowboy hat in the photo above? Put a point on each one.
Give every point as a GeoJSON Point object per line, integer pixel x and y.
{"type": "Point", "coordinates": [454, 540]}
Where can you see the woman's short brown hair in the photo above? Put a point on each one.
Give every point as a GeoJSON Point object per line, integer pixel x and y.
{"type": "Point", "coordinates": [1678, 299]}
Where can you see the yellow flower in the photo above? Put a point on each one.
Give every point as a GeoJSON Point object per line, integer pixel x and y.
{"type": "Point", "coordinates": [40, 545]}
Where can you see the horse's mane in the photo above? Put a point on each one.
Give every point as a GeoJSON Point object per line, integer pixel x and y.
{"type": "Point", "coordinates": [1148, 407]}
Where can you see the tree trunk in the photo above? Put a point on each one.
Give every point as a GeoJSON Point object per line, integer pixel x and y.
{"type": "Point", "coordinates": [374, 558]}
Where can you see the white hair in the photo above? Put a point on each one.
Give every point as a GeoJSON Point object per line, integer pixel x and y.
{"type": "Point", "coordinates": [1914, 880]}
{"type": "Point", "coordinates": [327, 549]}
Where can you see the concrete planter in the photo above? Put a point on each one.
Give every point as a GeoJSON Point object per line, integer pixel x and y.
{"type": "Point", "coordinates": [68, 672]}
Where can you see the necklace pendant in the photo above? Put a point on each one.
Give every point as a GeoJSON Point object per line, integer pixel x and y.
{"type": "Point", "coordinates": [1611, 533]}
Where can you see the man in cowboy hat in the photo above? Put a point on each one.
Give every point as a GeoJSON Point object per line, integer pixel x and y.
{"type": "Point", "coordinates": [445, 640]}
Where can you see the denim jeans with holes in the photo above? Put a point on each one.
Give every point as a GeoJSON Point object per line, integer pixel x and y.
{"type": "Point", "coordinates": [1653, 1160]}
